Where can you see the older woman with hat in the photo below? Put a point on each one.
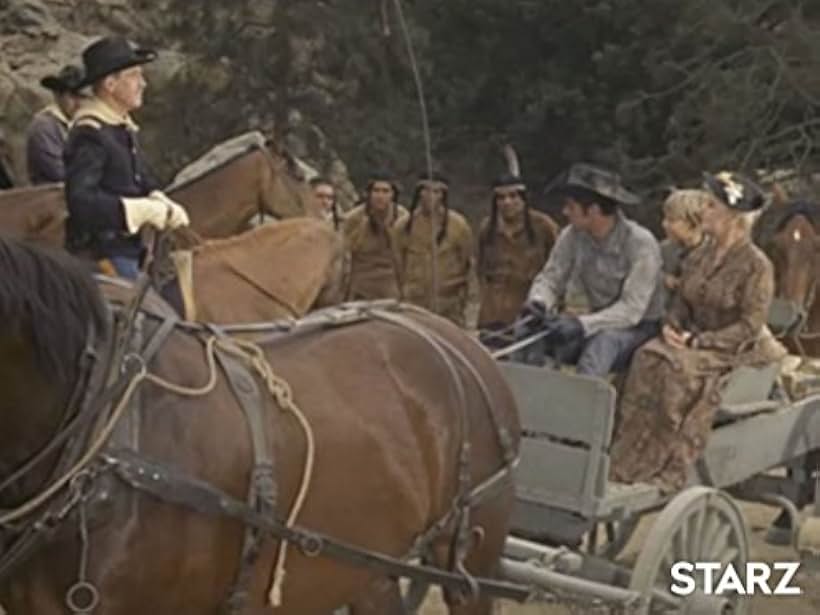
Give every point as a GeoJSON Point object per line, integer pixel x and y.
{"type": "Point", "coordinates": [617, 264]}
{"type": "Point", "coordinates": [109, 188]}
{"type": "Point", "coordinates": [717, 321]}
{"type": "Point", "coordinates": [48, 130]}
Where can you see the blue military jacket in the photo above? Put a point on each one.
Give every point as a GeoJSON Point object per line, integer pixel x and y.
{"type": "Point", "coordinates": [103, 164]}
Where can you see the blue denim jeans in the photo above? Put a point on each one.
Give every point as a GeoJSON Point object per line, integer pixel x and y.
{"type": "Point", "coordinates": [125, 266]}
{"type": "Point", "coordinates": [598, 355]}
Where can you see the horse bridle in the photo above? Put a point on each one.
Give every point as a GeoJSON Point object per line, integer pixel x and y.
{"type": "Point", "coordinates": [796, 329]}
{"type": "Point", "coordinates": [71, 421]}
{"type": "Point", "coordinates": [171, 486]}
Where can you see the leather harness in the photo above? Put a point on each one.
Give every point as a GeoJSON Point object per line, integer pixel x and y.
{"type": "Point", "coordinates": [138, 338]}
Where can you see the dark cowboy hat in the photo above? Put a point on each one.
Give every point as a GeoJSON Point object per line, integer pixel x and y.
{"type": "Point", "coordinates": [69, 79]}
{"type": "Point", "coordinates": [594, 179]}
{"type": "Point", "coordinates": [735, 191]}
{"type": "Point", "coordinates": [112, 54]}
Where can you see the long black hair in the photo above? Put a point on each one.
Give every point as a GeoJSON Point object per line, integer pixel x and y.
{"type": "Point", "coordinates": [494, 219]}
{"type": "Point", "coordinates": [385, 178]}
{"type": "Point", "coordinates": [437, 177]}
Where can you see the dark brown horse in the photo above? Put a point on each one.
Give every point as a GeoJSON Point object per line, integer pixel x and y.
{"type": "Point", "coordinates": [794, 248]}
{"type": "Point", "coordinates": [788, 233]}
{"type": "Point", "coordinates": [221, 198]}
{"type": "Point", "coordinates": [393, 399]}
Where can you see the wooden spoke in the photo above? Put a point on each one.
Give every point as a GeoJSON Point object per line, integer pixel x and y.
{"type": "Point", "coordinates": [700, 524]}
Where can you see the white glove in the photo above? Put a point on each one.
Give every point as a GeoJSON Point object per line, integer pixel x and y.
{"type": "Point", "coordinates": [178, 216]}
{"type": "Point", "coordinates": [154, 210]}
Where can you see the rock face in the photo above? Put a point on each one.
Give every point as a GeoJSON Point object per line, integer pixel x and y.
{"type": "Point", "coordinates": [190, 105]}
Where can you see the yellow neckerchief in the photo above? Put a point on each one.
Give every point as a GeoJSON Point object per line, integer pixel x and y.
{"type": "Point", "coordinates": [96, 109]}
{"type": "Point", "coordinates": [55, 110]}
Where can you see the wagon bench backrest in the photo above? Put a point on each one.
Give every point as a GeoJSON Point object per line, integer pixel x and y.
{"type": "Point", "coordinates": [567, 422]}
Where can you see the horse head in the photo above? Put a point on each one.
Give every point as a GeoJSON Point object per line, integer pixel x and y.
{"type": "Point", "coordinates": [794, 249]}
{"type": "Point", "coordinates": [285, 193]}
{"type": "Point", "coordinates": [50, 313]}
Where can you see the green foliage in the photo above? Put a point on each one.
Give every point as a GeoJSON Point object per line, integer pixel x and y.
{"type": "Point", "coordinates": [658, 89]}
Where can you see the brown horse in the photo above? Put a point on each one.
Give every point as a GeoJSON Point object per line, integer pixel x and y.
{"type": "Point", "coordinates": [35, 214]}
{"type": "Point", "coordinates": [256, 178]}
{"type": "Point", "coordinates": [789, 236]}
{"type": "Point", "coordinates": [275, 271]}
{"type": "Point", "coordinates": [404, 408]}
{"type": "Point", "coordinates": [794, 249]}
{"type": "Point", "coordinates": [221, 195]}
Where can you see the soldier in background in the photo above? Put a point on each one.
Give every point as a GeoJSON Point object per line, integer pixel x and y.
{"type": "Point", "coordinates": [48, 130]}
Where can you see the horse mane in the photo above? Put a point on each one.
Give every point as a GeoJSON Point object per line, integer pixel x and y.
{"type": "Point", "coordinates": [807, 209]}
{"type": "Point", "coordinates": [774, 219]}
{"type": "Point", "coordinates": [218, 157]}
{"type": "Point", "coordinates": [52, 297]}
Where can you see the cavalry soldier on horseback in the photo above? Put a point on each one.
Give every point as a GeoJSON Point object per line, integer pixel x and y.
{"type": "Point", "coordinates": [436, 270]}
{"type": "Point", "coordinates": [617, 263]}
{"type": "Point", "coordinates": [370, 237]}
{"type": "Point", "coordinates": [48, 130]}
{"type": "Point", "coordinates": [514, 242]}
{"type": "Point", "coordinates": [109, 189]}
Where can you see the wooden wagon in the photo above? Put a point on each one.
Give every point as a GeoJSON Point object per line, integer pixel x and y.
{"type": "Point", "coordinates": [566, 500]}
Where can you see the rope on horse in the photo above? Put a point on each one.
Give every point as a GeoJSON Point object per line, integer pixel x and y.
{"type": "Point", "coordinates": [278, 387]}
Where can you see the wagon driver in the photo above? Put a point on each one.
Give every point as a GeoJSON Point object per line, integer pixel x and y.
{"type": "Point", "coordinates": [618, 265]}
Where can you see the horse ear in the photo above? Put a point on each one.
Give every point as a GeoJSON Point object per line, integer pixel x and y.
{"type": "Point", "coordinates": [779, 196]}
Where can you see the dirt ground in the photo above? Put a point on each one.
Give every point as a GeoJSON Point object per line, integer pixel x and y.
{"type": "Point", "coordinates": [757, 518]}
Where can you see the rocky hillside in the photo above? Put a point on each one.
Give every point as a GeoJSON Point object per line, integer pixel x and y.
{"type": "Point", "coordinates": [190, 104]}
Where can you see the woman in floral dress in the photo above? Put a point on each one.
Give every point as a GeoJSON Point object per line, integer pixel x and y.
{"type": "Point", "coordinates": [716, 322]}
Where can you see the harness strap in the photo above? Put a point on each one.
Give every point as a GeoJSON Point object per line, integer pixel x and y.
{"type": "Point", "coordinates": [504, 437]}
{"type": "Point", "coordinates": [170, 486]}
{"type": "Point", "coordinates": [262, 490]}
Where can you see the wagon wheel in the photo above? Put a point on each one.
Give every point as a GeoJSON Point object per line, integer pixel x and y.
{"type": "Point", "coordinates": [615, 537]}
{"type": "Point", "coordinates": [699, 524]}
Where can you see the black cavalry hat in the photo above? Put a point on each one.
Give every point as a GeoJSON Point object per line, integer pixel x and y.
{"type": "Point", "coordinates": [69, 79]}
{"type": "Point", "coordinates": [735, 191]}
{"type": "Point", "coordinates": [111, 54]}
